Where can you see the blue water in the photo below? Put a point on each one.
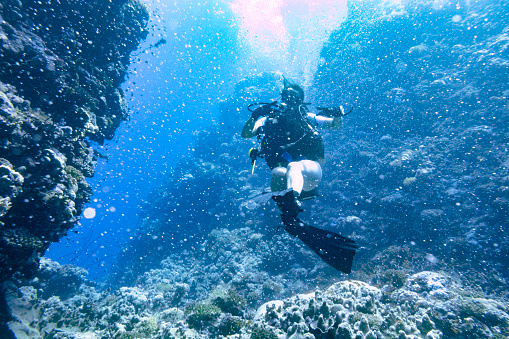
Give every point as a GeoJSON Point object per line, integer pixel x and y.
{"type": "Point", "coordinates": [144, 149]}
{"type": "Point", "coordinates": [173, 90]}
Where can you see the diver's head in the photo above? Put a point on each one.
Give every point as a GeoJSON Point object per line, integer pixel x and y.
{"type": "Point", "coordinates": [292, 95]}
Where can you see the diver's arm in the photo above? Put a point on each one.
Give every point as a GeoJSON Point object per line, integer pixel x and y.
{"type": "Point", "coordinates": [332, 117]}
{"type": "Point", "coordinates": [252, 127]}
{"type": "Point", "coordinates": [326, 122]}
{"type": "Point", "coordinates": [247, 131]}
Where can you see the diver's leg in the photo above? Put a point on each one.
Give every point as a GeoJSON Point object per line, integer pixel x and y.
{"type": "Point", "coordinates": [287, 203]}
{"type": "Point", "coordinates": [278, 180]}
{"type": "Point", "coordinates": [303, 175]}
{"type": "Point", "coordinates": [312, 174]}
{"type": "Point", "coordinates": [294, 176]}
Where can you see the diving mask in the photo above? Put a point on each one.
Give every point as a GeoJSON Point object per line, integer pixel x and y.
{"type": "Point", "coordinates": [291, 96]}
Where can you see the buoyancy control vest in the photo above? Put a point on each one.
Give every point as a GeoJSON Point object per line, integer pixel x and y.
{"type": "Point", "coordinates": [289, 138]}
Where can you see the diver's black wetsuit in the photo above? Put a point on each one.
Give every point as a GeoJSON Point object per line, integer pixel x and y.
{"type": "Point", "coordinates": [295, 137]}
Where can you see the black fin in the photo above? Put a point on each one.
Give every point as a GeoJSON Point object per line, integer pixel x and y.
{"type": "Point", "coordinates": [262, 198]}
{"type": "Point", "coordinates": [333, 248]}
{"type": "Point", "coordinates": [288, 204]}
{"type": "Point", "coordinates": [307, 195]}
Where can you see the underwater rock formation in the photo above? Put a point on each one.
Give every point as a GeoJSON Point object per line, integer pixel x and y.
{"type": "Point", "coordinates": [429, 305]}
{"type": "Point", "coordinates": [422, 159]}
{"type": "Point", "coordinates": [62, 63]}
{"type": "Point", "coordinates": [426, 305]}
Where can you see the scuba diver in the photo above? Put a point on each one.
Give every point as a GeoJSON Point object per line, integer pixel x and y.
{"type": "Point", "coordinates": [293, 149]}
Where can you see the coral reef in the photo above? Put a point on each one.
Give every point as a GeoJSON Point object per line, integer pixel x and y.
{"type": "Point", "coordinates": [11, 183]}
{"type": "Point", "coordinates": [62, 64]}
{"type": "Point", "coordinates": [421, 161]}
{"type": "Point", "coordinates": [428, 305]}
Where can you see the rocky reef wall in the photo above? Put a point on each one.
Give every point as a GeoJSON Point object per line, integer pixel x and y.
{"type": "Point", "coordinates": [423, 158]}
{"type": "Point", "coordinates": [61, 67]}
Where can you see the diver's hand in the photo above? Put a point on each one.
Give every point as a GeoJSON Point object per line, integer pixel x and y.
{"type": "Point", "coordinates": [263, 111]}
{"type": "Point", "coordinates": [336, 112]}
